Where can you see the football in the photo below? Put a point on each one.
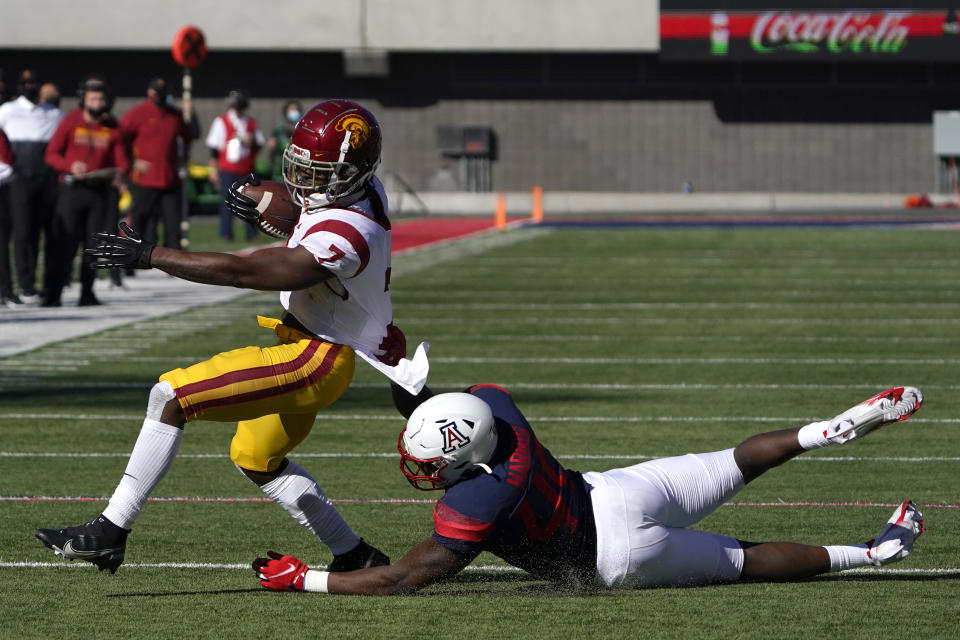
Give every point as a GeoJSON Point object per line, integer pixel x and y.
{"type": "Point", "coordinates": [278, 212]}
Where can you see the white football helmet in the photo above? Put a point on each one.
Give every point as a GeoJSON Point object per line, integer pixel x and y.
{"type": "Point", "coordinates": [445, 437]}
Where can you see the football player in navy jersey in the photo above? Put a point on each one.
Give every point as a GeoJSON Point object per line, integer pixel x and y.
{"type": "Point", "coordinates": [506, 494]}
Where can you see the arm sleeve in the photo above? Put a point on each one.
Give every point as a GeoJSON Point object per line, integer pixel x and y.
{"type": "Point", "coordinates": [458, 531]}
{"type": "Point", "coordinates": [405, 402]}
{"type": "Point", "coordinates": [467, 515]}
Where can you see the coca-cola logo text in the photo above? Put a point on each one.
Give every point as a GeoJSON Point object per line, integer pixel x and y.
{"type": "Point", "coordinates": [837, 32]}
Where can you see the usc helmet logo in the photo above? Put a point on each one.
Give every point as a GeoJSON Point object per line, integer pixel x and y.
{"type": "Point", "coordinates": [357, 126]}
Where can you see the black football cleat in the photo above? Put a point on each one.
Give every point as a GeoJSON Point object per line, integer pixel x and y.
{"type": "Point", "coordinates": [99, 541]}
{"type": "Point", "coordinates": [87, 299]}
{"type": "Point", "coordinates": [362, 556]}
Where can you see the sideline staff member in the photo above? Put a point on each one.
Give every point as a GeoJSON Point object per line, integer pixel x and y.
{"type": "Point", "coordinates": [158, 135]}
{"type": "Point", "coordinates": [234, 140]}
{"type": "Point", "coordinates": [29, 125]}
{"type": "Point", "coordinates": [87, 149]}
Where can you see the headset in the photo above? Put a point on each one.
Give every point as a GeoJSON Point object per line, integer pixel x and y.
{"type": "Point", "coordinates": [95, 83]}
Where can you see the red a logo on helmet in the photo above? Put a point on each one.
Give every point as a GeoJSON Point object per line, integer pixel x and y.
{"type": "Point", "coordinates": [452, 438]}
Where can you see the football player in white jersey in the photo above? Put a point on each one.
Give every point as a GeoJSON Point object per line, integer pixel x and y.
{"type": "Point", "coordinates": [334, 279]}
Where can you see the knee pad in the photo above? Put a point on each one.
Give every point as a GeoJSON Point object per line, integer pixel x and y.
{"type": "Point", "coordinates": [160, 395]}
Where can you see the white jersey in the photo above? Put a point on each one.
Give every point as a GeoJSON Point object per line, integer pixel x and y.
{"type": "Point", "coordinates": [354, 307]}
{"type": "Point", "coordinates": [24, 121]}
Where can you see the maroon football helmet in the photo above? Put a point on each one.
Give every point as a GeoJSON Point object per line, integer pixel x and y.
{"type": "Point", "coordinates": [333, 153]}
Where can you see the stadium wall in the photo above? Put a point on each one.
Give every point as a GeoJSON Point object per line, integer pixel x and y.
{"type": "Point", "coordinates": [592, 122]}
{"type": "Point", "coordinates": [578, 101]}
{"type": "Point", "coordinates": [325, 25]}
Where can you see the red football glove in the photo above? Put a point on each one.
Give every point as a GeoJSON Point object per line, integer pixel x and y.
{"type": "Point", "coordinates": [394, 346]}
{"type": "Point", "coordinates": [280, 573]}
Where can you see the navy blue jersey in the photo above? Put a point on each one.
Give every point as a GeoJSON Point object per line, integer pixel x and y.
{"type": "Point", "coordinates": [530, 511]}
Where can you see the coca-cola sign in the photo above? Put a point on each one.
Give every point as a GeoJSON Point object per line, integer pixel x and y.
{"type": "Point", "coordinates": [887, 33]}
{"type": "Point", "coordinates": [836, 32]}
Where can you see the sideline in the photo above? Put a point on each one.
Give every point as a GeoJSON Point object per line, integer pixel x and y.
{"type": "Point", "coordinates": [151, 293]}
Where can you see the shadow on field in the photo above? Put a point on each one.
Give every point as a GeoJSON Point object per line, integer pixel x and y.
{"type": "Point", "coordinates": [102, 393]}
{"type": "Point", "coordinates": [211, 592]}
{"type": "Point", "coordinates": [509, 584]}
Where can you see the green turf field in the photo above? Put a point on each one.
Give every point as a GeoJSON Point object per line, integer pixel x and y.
{"type": "Point", "coordinates": [620, 345]}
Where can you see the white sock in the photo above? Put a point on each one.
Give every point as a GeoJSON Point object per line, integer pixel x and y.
{"type": "Point", "coordinates": [301, 496]}
{"type": "Point", "coordinates": [848, 556]}
{"type": "Point", "coordinates": [811, 436]}
{"type": "Point", "coordinates": [150, 460]}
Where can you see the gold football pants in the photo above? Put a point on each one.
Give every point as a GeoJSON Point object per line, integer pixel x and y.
{"type": "Point", "coordinates": [273, 393]}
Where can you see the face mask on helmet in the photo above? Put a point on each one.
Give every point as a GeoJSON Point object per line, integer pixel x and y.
{"type": "Point", "coordinates": [333, 154]}
{"type": "Point", "coordinates": [316, 184]}
{"type": "Point", "coordinates": [447, 436]}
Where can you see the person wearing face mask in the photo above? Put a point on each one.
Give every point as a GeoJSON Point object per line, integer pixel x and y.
{"type": "Point", "coordinates": [234, 140]}
{"type": "Point", "coordinates": [32, 189]}
{"type": "Point", "coordinates": [49, 96]}
{"type": "Point", "coordinates": [87, 151]}
{"type": "Point", "coordinates": [280, 137]}
{"type": "Point", "coordinates": [158, 135]}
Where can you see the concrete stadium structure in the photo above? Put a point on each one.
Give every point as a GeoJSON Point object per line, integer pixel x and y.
{"type": "Point", "coordinates": [576, 92]}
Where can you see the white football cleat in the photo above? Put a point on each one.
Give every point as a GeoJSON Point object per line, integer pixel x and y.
{"type": "Point", "coordinates": [892, 405]}
{"type": "Point", "coordinates": [896, 540]}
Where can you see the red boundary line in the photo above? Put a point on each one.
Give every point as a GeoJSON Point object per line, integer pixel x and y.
{"type": "Point", "coordinates": [427, 501]}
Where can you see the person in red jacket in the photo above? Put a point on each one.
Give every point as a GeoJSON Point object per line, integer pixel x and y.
{"type": "Point", "coordinates": [234, 140]}
{"type": "Point", "coordinates": [157, 135]}
{"type": "Point", "coordinates": [87, 151]}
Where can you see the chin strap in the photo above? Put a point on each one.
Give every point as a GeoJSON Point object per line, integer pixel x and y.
{"type": "Point", "coordinates": [343, 201]}
{"type": "Point", "coordinates": [485, 468]}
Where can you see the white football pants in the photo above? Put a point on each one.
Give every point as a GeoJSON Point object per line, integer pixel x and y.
{"type": "Point", "coordinates": [641, 512]}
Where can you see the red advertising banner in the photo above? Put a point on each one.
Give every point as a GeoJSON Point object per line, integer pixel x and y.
{"type": "Point", "coordinates": [806, 34]}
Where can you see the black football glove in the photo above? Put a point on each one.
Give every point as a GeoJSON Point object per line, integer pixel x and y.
{"type": "Point", "coordinates": [244, 207]}
{"type": "Point", "coordinates": [128, 250]}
